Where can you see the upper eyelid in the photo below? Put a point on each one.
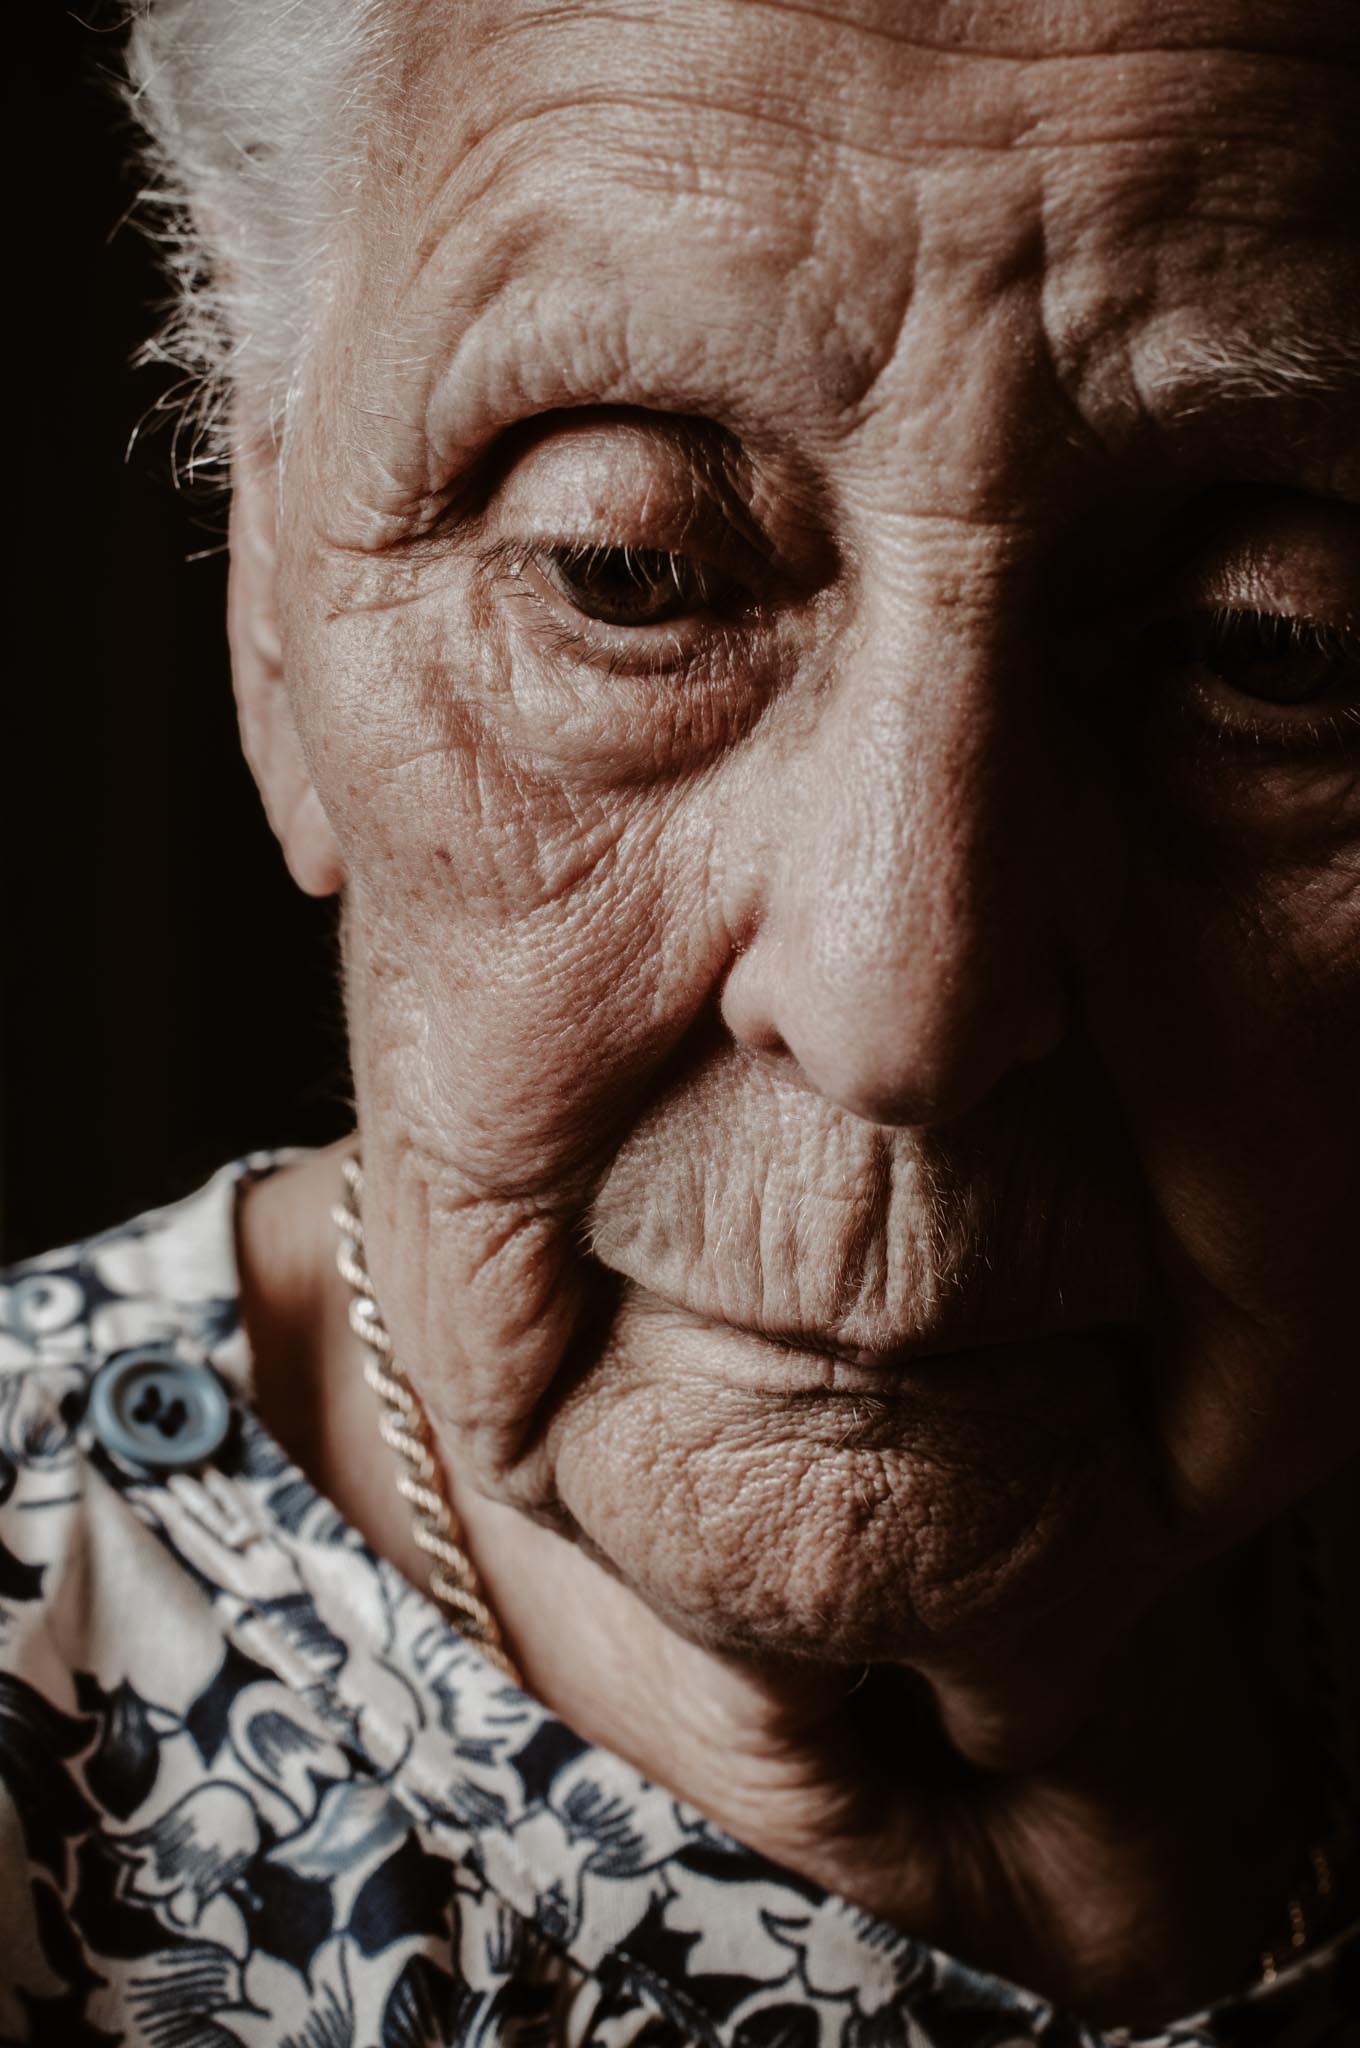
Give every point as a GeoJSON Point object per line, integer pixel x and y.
{"type": "Point", "coordinates": [730, 490]}
{"type": "Point", "coordinates": [707, 536]}
{"type": "Point", "coordinates": [1341, 635]}
{"type": "Point", "coordinates": [721, 474]}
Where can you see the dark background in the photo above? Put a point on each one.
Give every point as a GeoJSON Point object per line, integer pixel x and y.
{"type": "Point", "coordinates": [170, 999]}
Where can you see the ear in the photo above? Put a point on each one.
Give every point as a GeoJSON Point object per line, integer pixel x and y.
{"type": "Point", "coordinates": [268, 733]}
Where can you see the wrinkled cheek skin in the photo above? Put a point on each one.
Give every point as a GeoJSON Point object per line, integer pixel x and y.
{"type": "Point", "coordinates": [1235, 1062]}
{"type": "Point", "coordinates": [519, 963]}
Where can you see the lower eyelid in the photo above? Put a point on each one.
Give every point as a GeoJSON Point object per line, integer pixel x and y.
{"type": "Point", "coordinates": [643, 652]}
{"type": "Point", "coordinates": [1279, 736]}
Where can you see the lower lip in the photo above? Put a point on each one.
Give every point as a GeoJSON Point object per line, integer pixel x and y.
{"type": "Point", "coordinates": [985, 1373]}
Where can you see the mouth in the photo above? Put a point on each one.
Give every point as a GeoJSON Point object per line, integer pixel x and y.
{"type": "Point", "coordinates": [927, 1363]}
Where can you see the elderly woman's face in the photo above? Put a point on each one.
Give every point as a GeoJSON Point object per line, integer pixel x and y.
{"type": "Point", "coordinates": [818, 587]}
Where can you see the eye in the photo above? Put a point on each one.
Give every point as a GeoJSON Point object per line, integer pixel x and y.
{"type": "Point", "coordinates": [625, 586]}
{"type": "Point", "coordinates": [1266, 678]}
{"type": "Point", "coordinates": [1275, 659]}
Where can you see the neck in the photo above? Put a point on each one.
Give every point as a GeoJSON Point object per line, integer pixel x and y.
{"type": "Point", "coordinates": [1114, 1871]}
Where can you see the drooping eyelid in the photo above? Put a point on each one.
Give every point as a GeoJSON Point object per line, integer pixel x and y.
{"type": "Point", "coordinates": [627, 477]}
{"type": "Point", "coordinates": [1276, 552]}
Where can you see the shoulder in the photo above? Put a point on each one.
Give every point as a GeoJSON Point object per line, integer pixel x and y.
{"type": "Point", "coordinates": [168, 1273]}
{"type": "Point", "coordinates": [162, 1281]}
{"type": "Point", "coordinates": [165, 1278]}
{"type": "Point", "coordinates": [107, 1637]}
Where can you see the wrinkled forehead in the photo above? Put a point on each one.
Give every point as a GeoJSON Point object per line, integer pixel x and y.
{"type": "Point", "coordinates": [721, 194]}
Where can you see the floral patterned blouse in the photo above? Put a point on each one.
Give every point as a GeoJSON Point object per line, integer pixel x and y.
{"type": "Point", "coordinates": [255, 1790]}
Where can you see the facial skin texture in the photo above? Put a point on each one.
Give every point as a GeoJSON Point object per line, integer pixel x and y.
{"type": "Point", "coordinates": [856, 1083]}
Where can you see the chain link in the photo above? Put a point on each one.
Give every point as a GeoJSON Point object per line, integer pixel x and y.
{"type": "Point", "coordinates": [454, 1583]}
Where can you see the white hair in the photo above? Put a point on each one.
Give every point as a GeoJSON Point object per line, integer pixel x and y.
{"type": "Point", "coordinates": [255, 114]}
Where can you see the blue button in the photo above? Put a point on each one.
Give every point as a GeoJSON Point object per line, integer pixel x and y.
{"type": "Point", "coordinates": [155, 1409]}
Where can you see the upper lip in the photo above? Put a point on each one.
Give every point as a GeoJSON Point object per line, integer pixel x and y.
{"type": "Point", "coordinates": [957, 1337]}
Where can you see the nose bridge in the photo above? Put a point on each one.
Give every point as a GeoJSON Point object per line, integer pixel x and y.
{"type": "Point", "coordinates": [906, 954]}
{"type": "Point", "coordinates": [889, 834]}
{"type": "Point", "coordinates": [921, 872]}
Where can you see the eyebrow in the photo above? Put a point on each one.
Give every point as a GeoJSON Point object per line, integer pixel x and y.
{"type": "Point", "coordinates": [1194, 373]}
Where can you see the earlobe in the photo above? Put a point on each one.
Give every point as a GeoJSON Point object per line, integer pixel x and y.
{"type": "Point", "coordinates": [269, 735]}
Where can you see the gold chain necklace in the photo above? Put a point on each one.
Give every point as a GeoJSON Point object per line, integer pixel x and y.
{"type": "Point", "coordinates": [457, 1588]}
{"type": "Point", "coordinates": [454, 1581]}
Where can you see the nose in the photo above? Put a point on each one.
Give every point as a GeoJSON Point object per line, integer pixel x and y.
{"type": "Point", "coordinates": [903, 930]}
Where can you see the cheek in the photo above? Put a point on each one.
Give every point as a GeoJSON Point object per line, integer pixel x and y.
{"type": "Point", "coordinates": [1232, 1033]}
{"type": "Point", "coordinates": [1232, 1024]}
{"type": "Point", "coordinates": [520, 961]}
{"type": "Point", "coordinates": [523, 953]}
